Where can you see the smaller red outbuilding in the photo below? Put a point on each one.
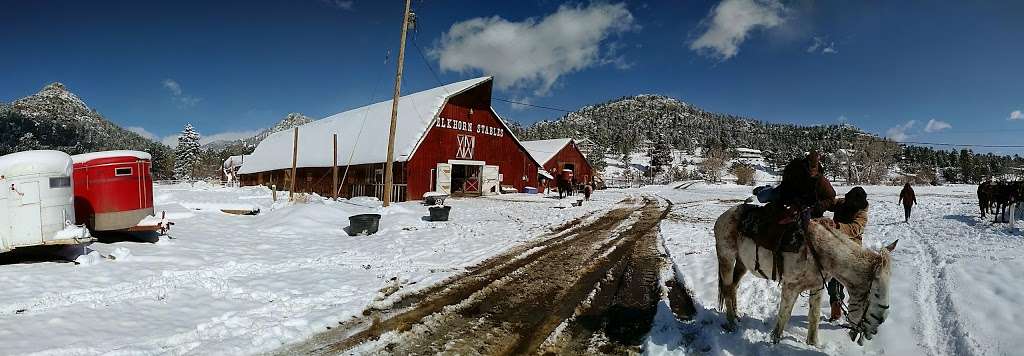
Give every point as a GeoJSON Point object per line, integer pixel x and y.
{"type": "Point", "coordinates": [113, 189]}
{"type": "Point", "coordinates": [561, 158]}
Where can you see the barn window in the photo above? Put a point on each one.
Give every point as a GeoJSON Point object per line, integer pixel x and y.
{"type": "Point", "coordinates": [121, 172]}
{"type": "Point", "coordinates": [60, 182]}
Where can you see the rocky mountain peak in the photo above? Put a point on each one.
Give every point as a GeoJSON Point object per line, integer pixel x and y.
{"type": "Point", "coordinates": [54, 99]}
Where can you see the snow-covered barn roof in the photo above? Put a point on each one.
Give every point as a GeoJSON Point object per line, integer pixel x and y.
{"type": "Point", "coordinates": [86, 157]}
{"type": "Point", "coordinates": [544, 150]}
{"type": "Point", "coordinates": [362, 133]}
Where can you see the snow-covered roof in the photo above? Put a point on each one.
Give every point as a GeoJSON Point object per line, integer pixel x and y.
{"type": "Point", "coordinates": [35, 163]}
{"type": "Point", "coordinates": [362, 133]}
{"type": "Point", "coordinates": [747, 150]}
{"type": "Point", "coordinates": [544, 173]}
{"type": "Point", "coordinates": [86, 157]}
{"type": "Point", "coordinates": [544, 150]}
{"type": "Point", "coordinates": [234, 161]}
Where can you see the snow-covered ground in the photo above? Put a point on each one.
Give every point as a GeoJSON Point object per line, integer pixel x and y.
{"type": "Point", "coordinates": [230, 284]}
{"type": "Point", "coordinates": [955, 286]}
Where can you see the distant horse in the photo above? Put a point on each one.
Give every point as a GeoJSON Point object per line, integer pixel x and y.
{"type": "Point", "coordinates": [826, 253]}
{"type": "Point", "coordinates": [564, 188]}
{"type": "Point", "coordinates": [1005, 194]}
{"type": "Point", "coordinates": [985, 198]}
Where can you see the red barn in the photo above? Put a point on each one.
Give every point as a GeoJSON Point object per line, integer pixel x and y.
{"type": "Point", "coordinates": [561, 157]}
{"type": "Point", "coordinates": [113, 189]}
{"type": "Point", "coordinates": [448, 139]}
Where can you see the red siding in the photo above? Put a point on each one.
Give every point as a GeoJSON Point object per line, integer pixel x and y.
{"type": "Point", "coordinates": [494, 144]}
{"type": "Point", "coordinates": [582, 173]}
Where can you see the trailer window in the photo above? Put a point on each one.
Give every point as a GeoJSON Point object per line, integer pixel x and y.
{"type": "Point", "coordinates": [121, 172]}
{"type": "Point", "coordinates": [60, 182]}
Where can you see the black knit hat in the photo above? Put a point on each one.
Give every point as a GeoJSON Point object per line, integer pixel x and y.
{"type": "Point", "coordinates": [857, 198]}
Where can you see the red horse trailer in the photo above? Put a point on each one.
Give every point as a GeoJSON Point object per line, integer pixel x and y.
{"type": "Point", "coordinates": [114, 191]}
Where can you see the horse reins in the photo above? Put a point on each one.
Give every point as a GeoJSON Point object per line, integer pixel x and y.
{"type": "Point", "coordinates": [859, 326]}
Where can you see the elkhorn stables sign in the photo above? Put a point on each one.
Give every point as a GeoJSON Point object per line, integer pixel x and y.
{"type": "Point", "coordinates": [467, 143]}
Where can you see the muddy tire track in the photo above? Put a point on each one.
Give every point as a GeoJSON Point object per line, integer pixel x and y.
{"type": "Point", "coordinates": [591, 287]}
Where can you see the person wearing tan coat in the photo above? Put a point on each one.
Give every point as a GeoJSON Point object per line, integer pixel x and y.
{"type": "Point", "coordinates": [850, 216]}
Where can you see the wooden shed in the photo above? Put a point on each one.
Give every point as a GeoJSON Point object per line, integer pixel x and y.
{"type": "Point", "coordinates": [448, 139]}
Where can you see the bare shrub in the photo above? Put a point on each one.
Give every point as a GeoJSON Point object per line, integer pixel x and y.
{"type": "Point", "coordinates": [713, 165]}
{"type": "Point", "coordinates": [744, 173]}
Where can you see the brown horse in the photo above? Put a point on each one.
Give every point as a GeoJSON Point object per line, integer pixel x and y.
{"type": "Point", "coordinates": [826, 253]}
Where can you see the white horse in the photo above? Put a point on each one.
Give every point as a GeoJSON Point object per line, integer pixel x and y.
{"type": "Point", "coordinates": [865, 274]}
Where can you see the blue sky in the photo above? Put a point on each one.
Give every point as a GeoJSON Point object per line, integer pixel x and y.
{"type": "Point", "coordinates": [915, 71]}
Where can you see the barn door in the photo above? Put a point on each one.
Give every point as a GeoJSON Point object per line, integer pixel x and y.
{"type": "Point", "coordinates": [24, 209]}
{"type": "Point", "coordinates": [491, 182]}
{"type": "Point", "coordinates": [444, 178]}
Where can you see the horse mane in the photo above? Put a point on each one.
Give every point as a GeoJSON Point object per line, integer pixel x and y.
{"type": "Point", "coordinates": [838, 238]}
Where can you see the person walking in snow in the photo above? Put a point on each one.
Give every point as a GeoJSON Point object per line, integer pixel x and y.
{"type": "Point", "coordinates": [850, 217]}
{"type": "Point", "coordinates": [908, 199]}
{"type": "Point", "coordinates": [587, 190]}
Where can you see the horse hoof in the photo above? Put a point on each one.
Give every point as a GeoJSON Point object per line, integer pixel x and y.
{"type": "Point", "coordinates": [728, 327]}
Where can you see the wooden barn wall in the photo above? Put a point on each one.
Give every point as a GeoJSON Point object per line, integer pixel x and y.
{"type": "Point", "coordinates": [583, 172]}
{"type": "Point", "coordinates": [442, 144]}
{"type": "Point", "coordinates": [362, 180]}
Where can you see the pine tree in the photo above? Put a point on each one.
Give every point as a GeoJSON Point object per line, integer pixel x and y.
{"type": "Point", "coordinates": [661, 155]}
{"type": "Point", "coordinates": [187, 154]}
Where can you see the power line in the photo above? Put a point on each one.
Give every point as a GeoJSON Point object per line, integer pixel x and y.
{"type": "Point", "coordinates": [534, 105]}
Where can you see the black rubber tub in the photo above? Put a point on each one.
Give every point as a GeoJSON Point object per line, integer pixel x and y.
{"type": "Point", "coordinates": [363, 224]}
{"type": "Point", "coordinates": [439, 213]}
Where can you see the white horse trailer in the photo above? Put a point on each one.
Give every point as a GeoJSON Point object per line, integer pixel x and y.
{"type": "Point", "coordinates": [37, 201]}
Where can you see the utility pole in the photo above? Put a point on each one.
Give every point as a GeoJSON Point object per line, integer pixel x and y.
{"type": "Point", "coordinates": [388, 174]}
{"type": "Point", "coordinates": [295, 160]}
{"type": "Point", "coordinates": [334, 169]}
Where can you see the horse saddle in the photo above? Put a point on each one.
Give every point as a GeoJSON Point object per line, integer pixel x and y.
{"type": "Point", "coordinates": [762, 224]}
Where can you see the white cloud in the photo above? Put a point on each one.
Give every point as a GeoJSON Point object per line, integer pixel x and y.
{"type": "Point", "coordinates": [172, 140]}
{"type": "Point", "coordinates": [899, 133]}
{"type": "Point", "coordinates": [1016, 115]}
{"type": "Point", "coordinates": [339, 4]}
{"type": "Point", "coordinates": [142, 132]}
{"type": "Point", "coordinates": [173, 86]}
{"type": "Point", "coordinates": [936, 126]}
{"type": "Point", "coordinates": [731, 21]}
{"type": "Point", "coordinates": [822, 45]}
{"type": "Point", "coordinates": [178, 95]}
{"type": "Point", "coordinates": [535, 53]}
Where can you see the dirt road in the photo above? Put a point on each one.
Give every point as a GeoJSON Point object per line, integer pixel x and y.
{"type": "Point", "coordinates": [591, 287]}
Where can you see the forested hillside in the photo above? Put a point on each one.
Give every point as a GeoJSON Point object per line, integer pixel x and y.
{"type": "Point", "coordinates": [639, 123]}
